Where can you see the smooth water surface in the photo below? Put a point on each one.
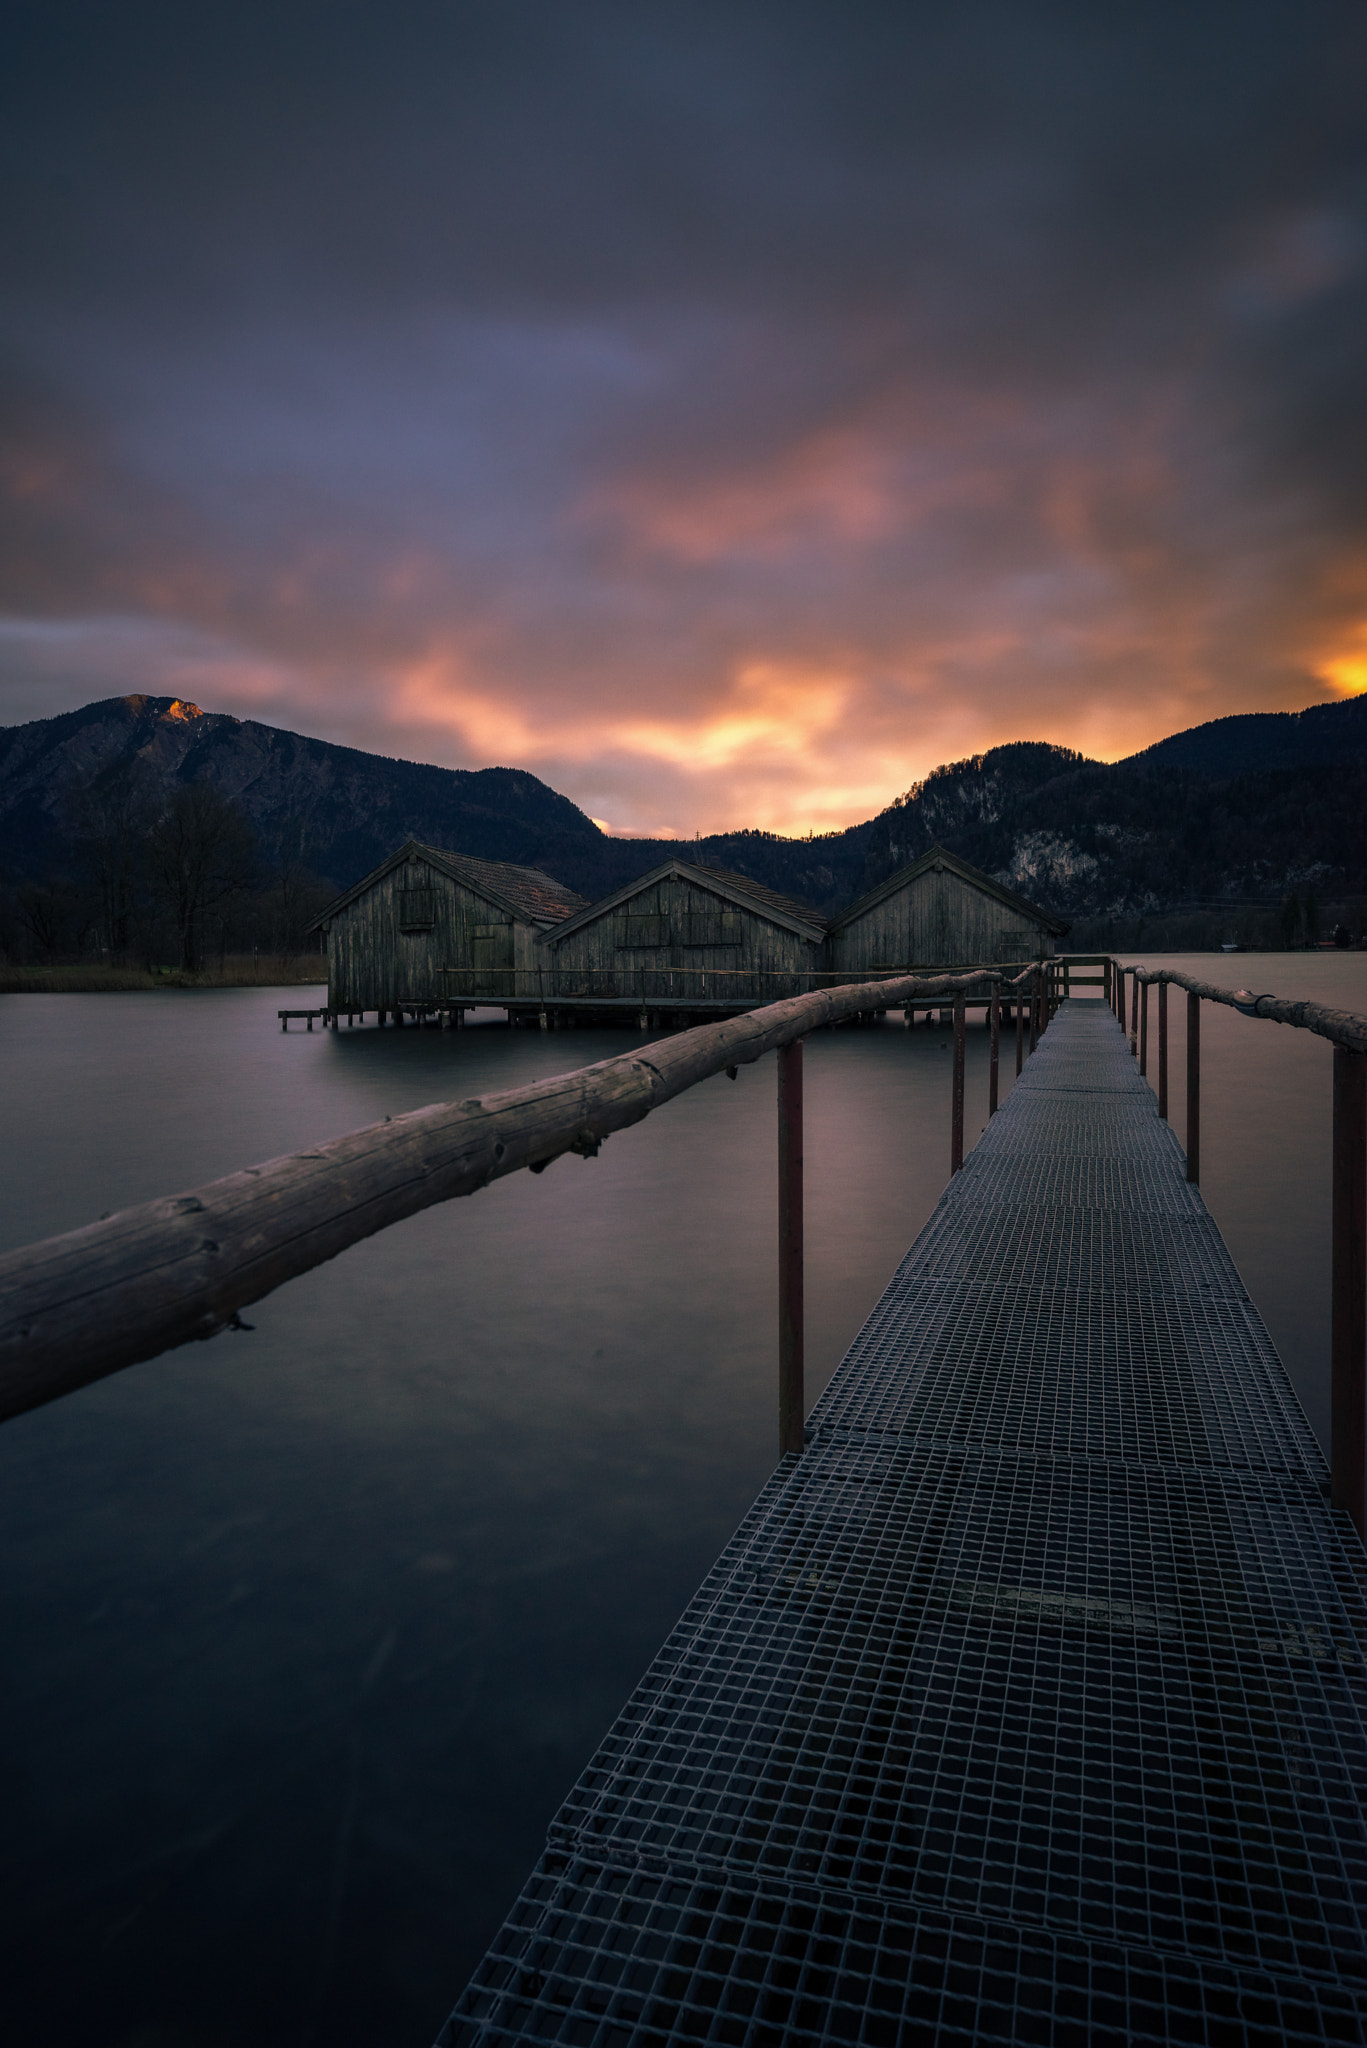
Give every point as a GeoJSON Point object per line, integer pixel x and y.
{"type": "Point", "coordinates": [307, 1630]}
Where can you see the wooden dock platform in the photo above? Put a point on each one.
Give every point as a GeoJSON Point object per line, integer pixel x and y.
{"type": "Point", "coordinates": [1029, 1701]}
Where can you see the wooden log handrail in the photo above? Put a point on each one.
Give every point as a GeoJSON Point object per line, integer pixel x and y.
{"type": "Point", "coordinates": [78, 1307]}
{"type": "Point", "coordinates": [1340, 1027]}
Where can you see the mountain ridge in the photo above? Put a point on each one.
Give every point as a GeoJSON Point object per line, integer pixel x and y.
{"type": "Point", "coordinates": [1241, 809]}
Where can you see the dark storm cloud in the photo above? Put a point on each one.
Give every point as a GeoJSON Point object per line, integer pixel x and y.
{"type": "Point", "coordinates": [727, 410]}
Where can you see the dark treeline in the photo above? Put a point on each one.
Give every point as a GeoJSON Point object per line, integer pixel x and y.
{"type": "Point", "coordinates": [1297, 922]}
{"type": "Point", "coordinates": [152, 875]}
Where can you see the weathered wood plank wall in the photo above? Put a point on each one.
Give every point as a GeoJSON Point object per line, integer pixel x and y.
{"type": "Point", "coordinates": [380, 951]}
{"type": "Point", "coordinates": [678, 938]}
{"type": "Point", "coordinates": [936, 919]}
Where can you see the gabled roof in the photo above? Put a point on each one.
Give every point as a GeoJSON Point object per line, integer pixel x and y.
{"type": "Point", "coordinates": [941, 857]}
{"type": "Point", "coordinates": [737, 890]}
{"type": "Point", "coordinates": [524, 893]}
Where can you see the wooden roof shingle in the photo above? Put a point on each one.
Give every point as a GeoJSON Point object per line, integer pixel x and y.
{"type": "Point", "coordinates": [529, 895]}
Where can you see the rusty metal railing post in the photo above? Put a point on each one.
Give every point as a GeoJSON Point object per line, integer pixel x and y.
{"type": "Point", "coordinates": [1018, 1004]}
{"type": "Point", "coordinates": [1163, 1049]}
{"type": "Point", "coordinates": [995, 1020]}
{"type": "Point", "coordinates": [1144, 1028]}
{"type": "Point", "coordinates": [956, 1114]}
{"type": "Point", "coordinates": [1193, 1088]}
{"type": "Point", "coordinates": [792, 1407]}
{"type": "Point", "coordinates": [1348, 1329]}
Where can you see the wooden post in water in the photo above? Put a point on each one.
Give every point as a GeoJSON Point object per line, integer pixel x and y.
{"type": "Point", "coordinates": [1143, 1027]}
{"type": "Point", "coordinates": [994, 1016]}
{"type": "Point", "coordinates": [1163, 1049]}
{"type": "Point", "coordinates": [1034, 1011]}
{"type": "Point", "coordinates": [1348, 1330]}
{"type": "Point", "coordinates": [1193, 1088]}
{"type": "Point", "coordinates": [1134, 1017]}
{"type": "Point", "coordinates": [792, 1407]}
{"type": "Point", "coordinates": [956, 1114]}
{"type": "Point", "coordinates": [1018, 1003]}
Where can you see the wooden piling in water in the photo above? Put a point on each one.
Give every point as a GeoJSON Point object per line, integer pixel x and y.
{"type": "Point", "coordinates": [1163, 1049]}
{"type": "Point", "coordinates": [1348, 1325]}
{"type": "Point", "coordinates": [1193, 1088]}
{"type": "Point", "coordinates": [956, 1117]}
{"type": "Point", "coordinates": [995, 1026]}
{"type": "Point", "coordinates": [792, 1412]}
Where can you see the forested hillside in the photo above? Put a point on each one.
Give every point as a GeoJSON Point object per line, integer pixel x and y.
{"type": "Point", "coordinates": [143, 826]}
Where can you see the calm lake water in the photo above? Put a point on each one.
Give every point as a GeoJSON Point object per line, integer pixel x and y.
{"type": "Point", "coordinates": [307, 1630]}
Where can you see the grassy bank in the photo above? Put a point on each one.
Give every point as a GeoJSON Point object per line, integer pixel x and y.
{"type": "Point", "coordinates": [237, 970]}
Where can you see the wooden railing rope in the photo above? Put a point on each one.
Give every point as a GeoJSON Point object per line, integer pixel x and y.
{"type": "Point", "coordinates": [76, 1308]}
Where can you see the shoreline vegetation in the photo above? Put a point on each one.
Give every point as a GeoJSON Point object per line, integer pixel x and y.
{"type": "Point", "coordinates": [234, 970]}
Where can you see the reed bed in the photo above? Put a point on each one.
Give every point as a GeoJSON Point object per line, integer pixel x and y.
{"type": "Point", "coordinates": [235, 970]}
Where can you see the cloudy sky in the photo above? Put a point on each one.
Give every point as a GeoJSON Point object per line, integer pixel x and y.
{"type": "Point", "coordinates": [726, 411]}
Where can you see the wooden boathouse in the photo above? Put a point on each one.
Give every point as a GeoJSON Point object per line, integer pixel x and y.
{"type": "Point", "coordinates": [936, 912]}
{"type": "Point", "coordinates": [433, 933]}
{"type": "Point", "coordinates": [683, 938]}
{"type": "Point", "coordinates": [429, 929]}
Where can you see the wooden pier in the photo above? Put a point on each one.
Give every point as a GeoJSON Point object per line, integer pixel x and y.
{"type": "Point", "coordinates": [1027, 1703]}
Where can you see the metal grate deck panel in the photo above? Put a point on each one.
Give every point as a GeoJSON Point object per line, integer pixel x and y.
{"type": "Point", "coordinates": [598, 1956]}
{"type": "Point", "coordinates": [1030, 1702]}
{"type": "Point", "coordinates": [980, 1682]}
{"type": "Point", "coordinates": [1176, 1379]}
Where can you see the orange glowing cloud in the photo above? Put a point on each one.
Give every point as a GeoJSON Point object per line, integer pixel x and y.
{"type": "Point", "coordinates": [1345, 668]}
{"type": "Point", "coordinates": [845, 488]}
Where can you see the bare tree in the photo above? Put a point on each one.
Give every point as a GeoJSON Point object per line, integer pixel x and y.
{"type": "Point", "coordinates": [111, 818]}
{"type": "Point", "coordinates": [50, 915]}
{"type": "Point", "coordinates": [201, 854]}
{"type": "Point", "coordinates": [297, 896]}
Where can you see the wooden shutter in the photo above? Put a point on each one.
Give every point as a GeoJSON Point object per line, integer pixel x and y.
{"type": "Point", "coordinates": [417, 909]}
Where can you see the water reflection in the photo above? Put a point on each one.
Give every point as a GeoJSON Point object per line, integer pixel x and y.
{"type": "Point", "coordinates": [308, 1630]}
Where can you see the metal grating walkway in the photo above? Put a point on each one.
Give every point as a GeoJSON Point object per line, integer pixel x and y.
{"type": "Point", "coordinates": [1030, 1702]}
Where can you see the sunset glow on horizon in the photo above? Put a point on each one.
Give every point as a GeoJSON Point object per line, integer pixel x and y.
{"type": "Point", "coordinates": [726, 420]}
